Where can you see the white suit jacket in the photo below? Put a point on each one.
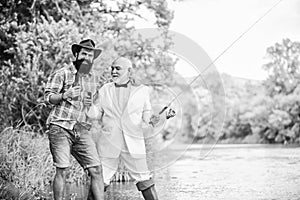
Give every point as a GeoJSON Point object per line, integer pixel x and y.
{"type": "Point", "coordinates": [119, 124]}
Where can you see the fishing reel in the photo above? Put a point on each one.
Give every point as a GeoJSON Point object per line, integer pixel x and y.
{"type": "Point", "coordinates": [170, 113]}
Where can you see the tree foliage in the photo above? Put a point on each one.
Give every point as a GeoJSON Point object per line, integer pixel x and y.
{"type": "Point", "coordinates": [253, 114]}
{"type": "Point", "coordinates": [283, 67]}
{"type": "Point", "coordinates": [261, 112]}
{"type": "Point", "coordinates": [36, 37]}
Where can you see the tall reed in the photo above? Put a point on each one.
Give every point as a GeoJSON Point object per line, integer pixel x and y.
{"type": "Point", "coordinates": [26, 167]}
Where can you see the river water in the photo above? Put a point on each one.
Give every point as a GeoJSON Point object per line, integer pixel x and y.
{"type": "Point", "coordinates": [241, 172]}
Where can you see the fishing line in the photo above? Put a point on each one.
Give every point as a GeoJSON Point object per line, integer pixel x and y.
{"type": "Point", "coordinates": [222, 53]}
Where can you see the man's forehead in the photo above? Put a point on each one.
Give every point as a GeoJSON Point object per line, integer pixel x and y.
{"type": "Point", "coordinates": [119, 66]}
{"type": "Point", "coordinates": [87, 50]}
{"type": "Point", "coordinates": [122, 62]}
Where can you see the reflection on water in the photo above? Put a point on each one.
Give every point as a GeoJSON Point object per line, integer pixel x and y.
{"type": "Point", "coordinates": [229, 172]}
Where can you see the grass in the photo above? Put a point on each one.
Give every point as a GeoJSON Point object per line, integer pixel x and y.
{"type": "Point", "coordinates": [26, 168]}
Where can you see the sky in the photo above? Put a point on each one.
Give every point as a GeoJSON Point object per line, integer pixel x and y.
{"type": "Point", "coordinates": [215, 24]}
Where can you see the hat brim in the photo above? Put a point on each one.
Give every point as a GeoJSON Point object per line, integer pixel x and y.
{"type": "Point", "coordinates": [76, 47]}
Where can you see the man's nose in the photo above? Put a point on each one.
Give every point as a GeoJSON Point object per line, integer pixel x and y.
{"type": "Point", "coordinates": [83, 57]}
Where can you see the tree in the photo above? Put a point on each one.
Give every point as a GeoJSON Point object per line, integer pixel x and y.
{"type": "Point", "coordinates": [283, 67]}
{"type": "Point", "coordinates": [36, 37]}
{"type": "Point", "coordinates": [283, 86]}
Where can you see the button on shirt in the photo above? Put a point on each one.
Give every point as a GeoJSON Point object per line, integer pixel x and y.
{"type": "Point", "coordinates": [67, 113]}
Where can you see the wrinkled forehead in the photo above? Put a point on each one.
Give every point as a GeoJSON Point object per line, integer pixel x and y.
{"type": "Point", "coordinates": [85, 50]}
{"type": "Point", "coordinates": [122, 62]}
{"type": "Point", "coordinates": [119, 67]}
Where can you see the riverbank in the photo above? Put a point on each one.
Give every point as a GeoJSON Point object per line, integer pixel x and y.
{"type": "Point", "coordinates": [228, 172]}
{"type": "Point", "coordinates": [26, 164]}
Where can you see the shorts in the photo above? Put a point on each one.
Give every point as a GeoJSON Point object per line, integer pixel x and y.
{"type": "Point", "coordinates": [63, 144]}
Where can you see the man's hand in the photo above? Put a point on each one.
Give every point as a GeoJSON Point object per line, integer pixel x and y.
{"type": "Point", "coordinates": [72, 92]}
{"type": "Point", "coordinates": [87, 99]}
{"type": "Point", "coordinates": [154, 119]}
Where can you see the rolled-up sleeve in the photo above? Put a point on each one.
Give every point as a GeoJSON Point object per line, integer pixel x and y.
{"type": "Point", "coordinates": [54, 85]}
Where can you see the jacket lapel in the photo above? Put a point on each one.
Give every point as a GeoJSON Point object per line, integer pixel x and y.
{"type": "Point", "coordinates": [114, 100]}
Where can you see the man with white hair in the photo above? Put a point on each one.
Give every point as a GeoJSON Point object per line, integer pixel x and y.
{"type": "Point", "coordinates": [124, 108]}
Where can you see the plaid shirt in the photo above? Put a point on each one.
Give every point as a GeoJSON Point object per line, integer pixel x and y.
{"type": "Point", "coordinates": [68, 113]}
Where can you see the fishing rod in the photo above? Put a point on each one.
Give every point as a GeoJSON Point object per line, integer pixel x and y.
{"type": "Point", "coordinates": [220, 55]}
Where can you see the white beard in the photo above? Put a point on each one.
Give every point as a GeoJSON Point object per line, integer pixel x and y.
{"type": "Point", "coordinates": [120, 80]}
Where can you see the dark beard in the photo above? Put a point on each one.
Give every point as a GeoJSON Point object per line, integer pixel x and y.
{"type": "Point", "coordinates": [81, 67]}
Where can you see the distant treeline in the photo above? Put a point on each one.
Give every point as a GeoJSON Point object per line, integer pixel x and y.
{"type": "Point", "coordinates": [256, 111]}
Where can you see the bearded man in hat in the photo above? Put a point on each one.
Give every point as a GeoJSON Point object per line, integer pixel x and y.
{"type": "Point", "coordinates": [70, 91]}
{"type": "Point", "coordinates": [124, 108]}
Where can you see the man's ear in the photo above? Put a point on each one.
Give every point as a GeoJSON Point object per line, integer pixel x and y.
{"type": "Point", "coordinates": [76, 55]}
{"type": "Point", "coordinates": [129, 71]}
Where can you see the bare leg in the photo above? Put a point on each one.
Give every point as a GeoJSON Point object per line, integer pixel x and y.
{"type": "Point", "coordinates": [59, 183]}
{"type": "Point", "coordinates": [90, 195]}
{"type": "Point", "coordinates": [97, 186]}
